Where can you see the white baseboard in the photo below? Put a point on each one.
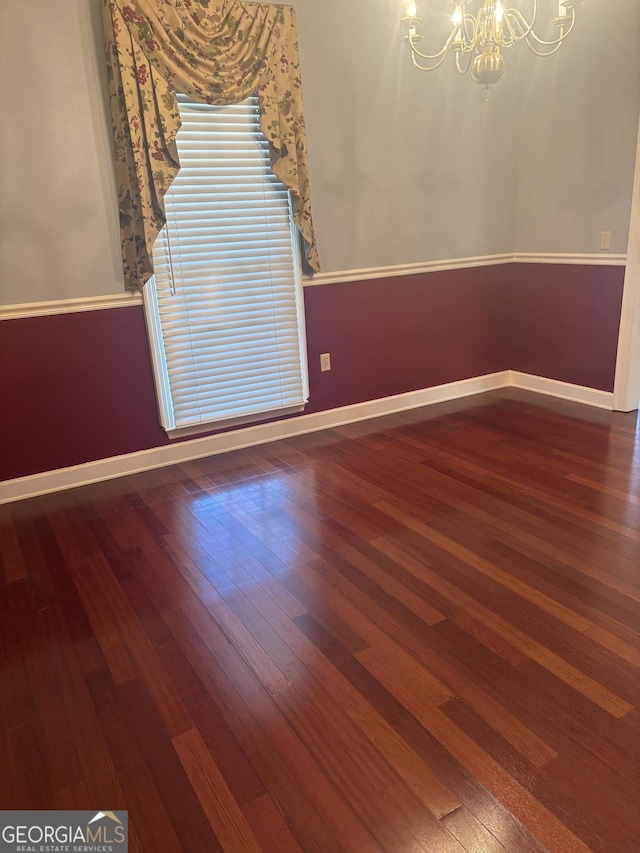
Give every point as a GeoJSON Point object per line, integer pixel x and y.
{"type": "Point", "coordinates": [185, 451]}
{"type": "Point", "coordinates": [563, 390]}
{"type": "Point", "coordinates": [197, 448]}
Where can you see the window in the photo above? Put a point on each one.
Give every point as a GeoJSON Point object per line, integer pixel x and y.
{"type": "Point", "coordinates": [225, 309]}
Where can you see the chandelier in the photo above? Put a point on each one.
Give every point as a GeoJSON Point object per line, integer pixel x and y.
{"type": "Point", "coordinates": [477, 39]}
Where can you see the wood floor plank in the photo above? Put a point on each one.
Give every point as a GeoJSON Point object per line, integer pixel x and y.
{"type": "Point", "coordinates": [147, 814]}
{"type": "Point", "coordinates": [96, 575]}
{"type": "Point", "coordinates": [543, 823]}
{"type": "Point", "coordinates": [503, 786]}
{"type": "Point", "coordinates": [222, 810]}
{"type": "Point", "coordinates": [238, 772]}
{"type": "Point", "coordinates": [359, 775]}
{"type": "Point", "coordinates": [99, 772]}
{"type": "Point", "coordinates": [270, 827]}
{"type": "Point", "coordinates": [74, 797]}
{"type": "Point", "coordinates": [106, 622]}
{"type": "Point", "coordinates": [12, 562]}
{"type": "Point", "coordinates": [410, 676]}
{"type": "Point", "coordinates": [512, 522]}
{"type": "Point", "coordinates": [522, 738]}
{"type": "Point", "coordinates": [409, 767]}
{"type": "Point", "coordinates": [17, 701]}
{"type": "Point", "coordinates": [555, 786]}
{"type": "Point", "coordinates": [9, 784]}
{"type": "Point", "coordinates": [603, 607]}
{"type": "Point", "coordinates": [384, 552]}
{"type": "Point", "coordinates": [46, 671]}
{"type": "Point", "coordinates": [471, 834]}
{"type": "Point", "coordinates": [257, 658]}
{"type": "Point", "coordinates": [590, 561]}
{"type": "Point", "coordinates": [595, 691]}
{"type": "Point", "coordinates": [182, 806]}
{"type": "Point", "coordinates": [551, 496]}
{"type": "Point", "coordinates": [508, 580]}
{"type": "Point", "coordinates": [414, 633]}
{"type": "Point", "coordinates": [569, 723]}
{"type": "Point", "coordinates": [320, 819]}
{"type": "Point", "coordinates": [436, 797]}
{"type": "Point", "coordinates": [32, 765]}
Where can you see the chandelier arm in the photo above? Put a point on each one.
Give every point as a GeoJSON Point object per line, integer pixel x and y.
{"type": "Point", "coordinates": [429, 67]}
{"type": "Point", "coordinates": [469, 18]}
{"type": "Point", "coordinates": [443, 53]}
{"type": "Point", "coordinates": [514, 26]}
{"type": "Point", "coordinates": [560, 39]}
{"type": "Point", "coordinates": [508, 40]}
{"type": "Point", "coordinates": [459, 64]}
{"type": "Point", "coordinates": [537, 52]}
{"type": "Point", "coordinates": [526, 28]}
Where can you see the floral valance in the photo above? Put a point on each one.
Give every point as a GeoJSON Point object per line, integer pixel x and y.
{"type": "Point", "coordinates": [212, 51]}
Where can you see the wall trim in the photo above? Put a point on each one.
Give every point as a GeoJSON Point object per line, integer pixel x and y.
{"type": "Point", "coordinates": [563, 390]}
{"type": "Point", "coordinates": [398, 270]}
{"type": "Point", "coordinates": [185, 451]}
{"type": "Point", "coordinates": [120, 300]}
{"type": "Point", "coordinates": [600, 259]}
{"type": "Point", "coordinates": [69, 306]}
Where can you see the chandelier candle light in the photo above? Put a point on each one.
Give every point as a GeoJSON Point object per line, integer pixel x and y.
{"type": "Point", "coordinates": [477, 39]}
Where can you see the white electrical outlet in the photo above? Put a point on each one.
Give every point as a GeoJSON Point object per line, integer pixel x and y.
{"type": "Point", "coordinates": [605, 240]}
{"type": "Point", "coordinates": [325, 361]}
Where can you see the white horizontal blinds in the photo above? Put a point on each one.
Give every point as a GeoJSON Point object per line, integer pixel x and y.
{"type": "Point", "coordinates": [228, 296]}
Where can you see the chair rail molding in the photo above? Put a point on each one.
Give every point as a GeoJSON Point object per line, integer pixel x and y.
{"type": "Point", "coordinates": [124, 299]}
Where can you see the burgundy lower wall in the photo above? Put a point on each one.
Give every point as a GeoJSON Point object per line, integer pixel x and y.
{"type": "Point", "coordinates": [564, 322]}
{"type": "Point", "coordinates": [78, 387]}
{"type": "Point", "coordinates": [391, 335]}
{"type": "Point", "coordinates": [75, 388]}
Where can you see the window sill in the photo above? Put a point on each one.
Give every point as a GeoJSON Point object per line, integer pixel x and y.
{"type": "Point", "coordinates": [219, 426]}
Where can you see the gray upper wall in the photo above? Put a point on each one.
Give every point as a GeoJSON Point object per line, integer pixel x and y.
{"type": "Point", "coordinates": [58, 206]}
{"type": "Point", "coordinates": [578, 131]}
{"type": "Point", "coordinates": [406, 167]}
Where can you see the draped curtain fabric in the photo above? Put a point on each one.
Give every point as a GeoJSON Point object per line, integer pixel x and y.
{"type": "Point", "coordinates": [215, 52]}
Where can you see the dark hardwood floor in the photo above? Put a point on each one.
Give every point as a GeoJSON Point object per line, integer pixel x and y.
{"type": "Point", "coordinates": [419, 633]}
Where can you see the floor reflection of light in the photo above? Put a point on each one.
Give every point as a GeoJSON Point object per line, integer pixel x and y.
{"type": "Point", "coordinates": [622, 483]}
{"type": "Point", "coordinates": [635, 467]}
{"type": "Point", "coordinates": [612, 481]}
{"type": "Point", "coordinates": [269, 510]}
